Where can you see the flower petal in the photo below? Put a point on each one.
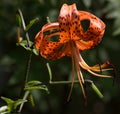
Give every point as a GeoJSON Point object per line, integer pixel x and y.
{"type": "Point", "coordinates": [49, 49]}
{"type": "Point", "coordinates": [40, 34]}
{"type": "Point", "coordinates": [69, 24]}
{"type": "Point", "coordinates": [94, 33]}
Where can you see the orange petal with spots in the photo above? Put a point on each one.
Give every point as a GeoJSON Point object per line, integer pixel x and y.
{"type": "Point", "coordinates": [49, 49]}
{"type": "Point", "coordinates": [40, 35]}
{"type": "Point", "coordinates": [69, 29]}
{"type": "Point", "coordinates": [94, 33]}
{"type": "Point", "coordinates": [69, 24]}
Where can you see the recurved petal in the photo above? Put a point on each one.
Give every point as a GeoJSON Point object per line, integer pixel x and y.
{"type": "Point", "coordinates": [49, 49]}
{"type": "Point", "coordinates": [50, 26]}
{"type": "Point", "coordinates": [96, 27]}
{"type": "Point", "coordinates": [40, 34]}
{"type": "Point", "coordinates": [93, 35]}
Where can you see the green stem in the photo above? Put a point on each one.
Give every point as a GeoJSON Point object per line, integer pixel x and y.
{"type": "Point", "coordinates": [93, 86]}
{"type": "Point", "coordinates": [28, 68]}
{"type": "Point", "coordinates": [63, 82]}
{"type": "Point", "coordinates": [97, 91]}
{"type": "Point", "coordinates": [49, 71]}
{"type": "Point", "coordinates": [29, 45]}
{"type": "Point", "coordinates": [24, 27]}
{"type": "Point", "coordinates": [24, 98]}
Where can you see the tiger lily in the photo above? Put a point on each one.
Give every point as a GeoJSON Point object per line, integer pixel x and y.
{"type": "Point", "coordinates": [72, 41]}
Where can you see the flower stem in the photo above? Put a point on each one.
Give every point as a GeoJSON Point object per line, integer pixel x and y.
{"type": "Point", "coordinates": [24, 98]}
{"type": "Point", "coordinates": [28, 67]}
{"type": "Point", "coordinates": [30, 54]}
{"type": "Point", "coordinates": [62, 82]}
{"type": "Point", "coordinates": [24, 27]}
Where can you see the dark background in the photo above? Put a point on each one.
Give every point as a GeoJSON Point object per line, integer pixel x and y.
{"type": "Point", "coordinates": [13, 58]}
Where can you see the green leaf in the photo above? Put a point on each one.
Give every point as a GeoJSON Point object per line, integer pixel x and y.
{"type": "Point", "coordinates": [31, 100]}
{"type": "Point", "coordinates": [34, 82]}
{"type": "Point", "coordinates": [7, 100]}
{"type": "Point", "coordinates": [12, 105]}
{"type": "Point", "coordinates": [31, 23]}
{"type": "Point", "coordinates": [24, 44]}
{"type": "Point", "coordinates": [35, 51]}
{"type": "Point", "coordinates": [42, 87]}
{"type": "Point", "coordinates": [19, 102]}
{"type": "Point", "coordinates": [36, 85]}
{"type": "Point", "coordinates": [112, 11]}
{"type": "Point", "coordinates": [18, 19]}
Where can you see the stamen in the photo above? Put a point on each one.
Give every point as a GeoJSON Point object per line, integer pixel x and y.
{"type": "Point", "coordinates": [75, 53]}
{"type": "Point", "coordinates": [95, 68]}
{"type": "Point", "coordinates": [99, 75]}
{"type": "Point", "coordinates": [73, 75]}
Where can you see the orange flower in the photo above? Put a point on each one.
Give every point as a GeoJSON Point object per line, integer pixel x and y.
{"type": "Point", "coordinates": [72, 40]}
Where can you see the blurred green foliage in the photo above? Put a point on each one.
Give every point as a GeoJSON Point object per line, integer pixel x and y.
{"type": "Point", "coordinates": [13, 58]}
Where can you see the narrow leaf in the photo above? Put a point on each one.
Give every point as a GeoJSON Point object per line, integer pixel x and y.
{"type": "Point", "coordinates": [24, 44]}
{"type": "Point", "coordinates": [7, 100]}
{"type": "Point", "coordinates": [31, 100]}
{"type": "Point", "coordinates": [31, 23]}
{"type": "Point", "coordinates": [35, 85]}
{"type": "Point", "coordinates": [35, 51]}
{"type": "Point", "coordinates": [19, 102]}
{"type": "Point", "coordinates": [18, 19]}
{"type": "Point", "coordinates": [34, 82]}
{"type": "Point", "coordinates": [42, 87]}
